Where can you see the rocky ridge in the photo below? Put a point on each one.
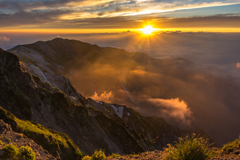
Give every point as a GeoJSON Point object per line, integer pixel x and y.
{"type": "Point", "coordinates": [90, 124]}
{"type": "Point", "coordinates": [93, 69]}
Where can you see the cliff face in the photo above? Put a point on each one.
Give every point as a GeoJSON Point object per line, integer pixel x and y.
{"type": "Point", "coordinates": [89, 124]}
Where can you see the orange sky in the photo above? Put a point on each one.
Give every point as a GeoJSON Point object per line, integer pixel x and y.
{"type": "Point", "coordinates": [100, 16]}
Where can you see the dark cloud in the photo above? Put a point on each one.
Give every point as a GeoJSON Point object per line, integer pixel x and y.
{"type": "Point", "coordinates": [32, 18]}
{"type": "Point", "coordinates": [218, 21]}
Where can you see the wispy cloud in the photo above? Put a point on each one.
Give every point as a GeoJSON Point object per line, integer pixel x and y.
{"type": "Point", "coordinates": [55, 13]}
{"type": "Point", "coordinates": [4, 39]}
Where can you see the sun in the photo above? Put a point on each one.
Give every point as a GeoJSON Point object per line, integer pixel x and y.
{"type": "Point", "coordinates": [147, 30]}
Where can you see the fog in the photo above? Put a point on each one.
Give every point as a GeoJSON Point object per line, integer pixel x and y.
{"type": "Point", "coordinates": [194, 83]}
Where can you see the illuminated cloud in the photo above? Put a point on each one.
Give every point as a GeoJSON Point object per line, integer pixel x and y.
{"type": "Point", "coordinates": [105, 96]}
{"type": "Point", "coordinates": [4, 39]}
{"type": "Point", "coordinates": [238, 65]}
{"type": "Point", "coordinates": [174, 108]}
{"type": "Point", "coordinates": [67, 14]}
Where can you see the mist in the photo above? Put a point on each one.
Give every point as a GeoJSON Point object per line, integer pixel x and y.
{"type": "Point", "coordinates": [192, 82]}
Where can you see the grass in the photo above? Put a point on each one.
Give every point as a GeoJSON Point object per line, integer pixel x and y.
{"type": "Point", "coordinates": [189, 148]}
{"type": "Point", "coordinates": [229, 147]}
{"type": "Point", "coordinates": [26, 153]}
{"type": "Point", "coordinates": [97, 155]}
{"type": "Point", "coordinates": [87, 158]}
{"type": "Point", "coordinates": [29, 128]}
{"type": "Point", "coordinates": [115, 155]}
{"type": "Point", "coordinates": [13, 152]}
{"type": "Point", "coordinates": [49, 139]}
{"type": "Point", "coordinates": [10, 151]}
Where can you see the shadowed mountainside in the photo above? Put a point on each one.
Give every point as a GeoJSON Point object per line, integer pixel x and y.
{"type": "Point", "coordinates": [43, 112]}
{"type": "Point", "coordinates": [175, 89]}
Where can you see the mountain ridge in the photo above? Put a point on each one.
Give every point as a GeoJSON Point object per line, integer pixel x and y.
{"type": "Point", "coordinates": [174, 88]}
{"type": "Point", "coordinates": [36, 100]}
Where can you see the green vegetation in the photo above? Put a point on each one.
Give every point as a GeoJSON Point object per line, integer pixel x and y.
{"type": "Point", "coordinates": [80, 154]}
{"type": "Point", "coordinates": [87, 158]}
{"type": "Point", "coordinates": [10, 151]}
{"type": "Point", "coordinates": [26, 153]}
{"type": "Point", "coordinates": [229, 147]}
{"type": "Point", "coordinates": [9, 140]}
{"type": "Point", "coordinates": [29, 128]}
{"type": "Point", "coordinates": [115, 155]}
{"type": "Point", "coordinates": [1, 143]}
{"type": "Point", "coordinates": [49, 139]}
{"type": "Point", "coordinates": [99, 155]}
{"type": "Point", "coordinates": [189, 148]}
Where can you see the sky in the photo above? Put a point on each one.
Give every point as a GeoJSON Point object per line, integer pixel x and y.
{"type": "Point", "coordinates": [95, 16]}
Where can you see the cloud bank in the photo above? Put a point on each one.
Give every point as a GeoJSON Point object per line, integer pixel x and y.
{"type": "Point", "coordinates": [173, 108]}
{"type": "Point", "coordinates": [4, 39]}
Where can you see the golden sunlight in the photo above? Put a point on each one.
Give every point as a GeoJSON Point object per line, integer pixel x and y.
{"type": "Point", "coordinates": [147, 30]}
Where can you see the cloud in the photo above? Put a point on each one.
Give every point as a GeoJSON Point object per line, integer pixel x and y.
{"type": "Point", "coordinates": [107, 13]}
{"type": "Point", "coordinates": [4, 39]}
{"type": "Point", "coordinates": [174, 108]}
{"type": "Point", "coordinates": [222, 21]}
{"type": "Point", "coordinates": [238, 65]}
{"type": "Point", "coordinates": [105, 96]}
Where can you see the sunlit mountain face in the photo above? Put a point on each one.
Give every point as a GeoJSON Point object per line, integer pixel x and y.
{"type": "Point", "coordinates": [178, 60]}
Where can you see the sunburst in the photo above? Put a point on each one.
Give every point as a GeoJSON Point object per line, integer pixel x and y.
{"type": "Point", "coordinates": [147, 30]}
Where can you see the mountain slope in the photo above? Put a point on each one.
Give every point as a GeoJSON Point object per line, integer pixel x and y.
{"type": "Point", "coordinates": [89, 126]}
{"type": "Point", "coordinates": [19, 140]}
{"type": "Point", "coordinates": [182, 93]}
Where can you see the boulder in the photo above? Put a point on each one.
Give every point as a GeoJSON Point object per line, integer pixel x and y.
{"type": "Point", "coordinates": [4, 127]}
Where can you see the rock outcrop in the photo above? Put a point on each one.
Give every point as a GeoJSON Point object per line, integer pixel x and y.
{"type": "Point", "coordinates": [90, 124]}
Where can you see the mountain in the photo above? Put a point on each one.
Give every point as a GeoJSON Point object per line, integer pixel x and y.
{"type": "Point", "coordinates": [19, 140]}
{"type": "Point", "coordinates": [184, 94]}
{"type": "Point", "coordinates": [68, 125]}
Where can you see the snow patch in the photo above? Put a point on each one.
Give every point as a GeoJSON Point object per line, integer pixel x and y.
{"type": "Point", "coordinates": [99, 102]}
{"type": "Point", "coordinates": [128, 114]}
{"type": "Point", "coordinates": [44, 78]}
{"type": "Point", "coordinates": [119, 110]}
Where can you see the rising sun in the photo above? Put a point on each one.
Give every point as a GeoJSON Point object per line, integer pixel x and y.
{"type": "Point", "coordinates": [147, 30]}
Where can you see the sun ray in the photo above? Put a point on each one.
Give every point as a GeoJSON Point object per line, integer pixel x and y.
{"type": "Point", "coordinates": [147, 30]}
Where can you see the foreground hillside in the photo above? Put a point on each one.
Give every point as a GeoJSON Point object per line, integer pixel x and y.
{"type": "Point", "coordinates": [184, 94]}
{"type": "Point", "coordinates": [68, 125]}
{"type": "Point", "coordinates": [18, 140]}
